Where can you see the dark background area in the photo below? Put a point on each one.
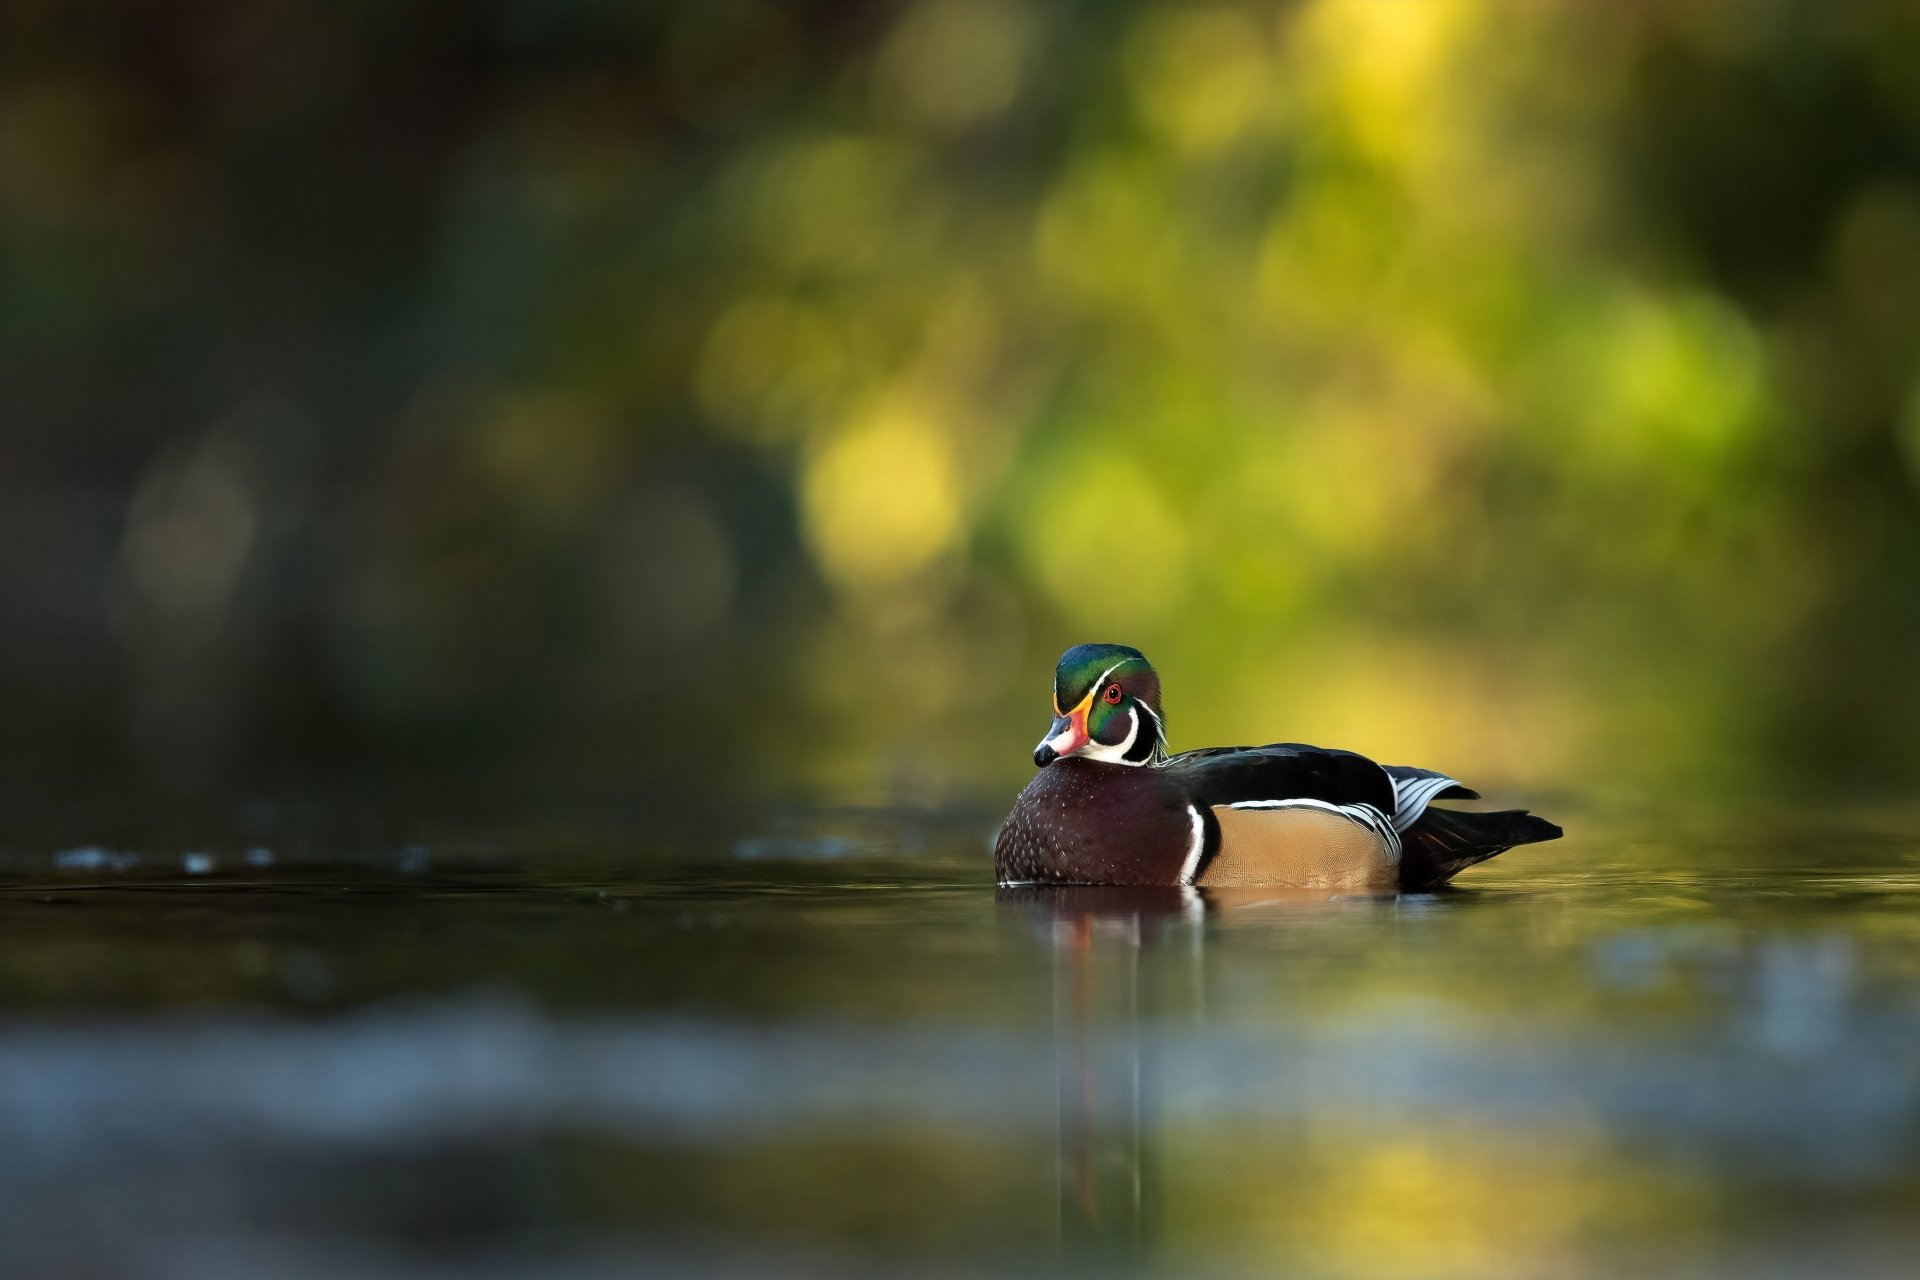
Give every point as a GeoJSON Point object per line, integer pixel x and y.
{"type": "Point", "coordinates": [741, 397]}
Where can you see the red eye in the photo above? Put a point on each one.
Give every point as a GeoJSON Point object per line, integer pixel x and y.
{"type": "Point", "coordinates": [1112, 695]}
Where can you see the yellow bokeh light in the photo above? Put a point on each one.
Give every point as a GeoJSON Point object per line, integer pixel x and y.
{"type": "Point", "coordinates": [1382, 66]}
{"type": "Point", "coordinates": [1110, 551]}
{"type": "Point", "coordinates": [880, 502]}
{"type": "Point", "coordinates": [1666, 382]}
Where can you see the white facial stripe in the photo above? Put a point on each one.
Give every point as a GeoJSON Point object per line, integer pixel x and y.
{"type": "Point", "coordinates": [1113, 754]}
{"type": "Point", "coordinates": [1096, 684]}
{"type": "Point", "coordinates": [1159, 727]}
{"type": "Point", "coordinates": [1110, 754]}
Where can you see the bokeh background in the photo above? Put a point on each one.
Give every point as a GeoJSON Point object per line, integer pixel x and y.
{"type": "Point", "coordinates": [760, 395]}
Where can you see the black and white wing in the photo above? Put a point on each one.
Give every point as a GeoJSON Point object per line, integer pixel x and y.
{"type": "Point", "coordinates": [1389, 799]}
{"type": "Point", "coordinates": [1292, 771]}
{"type": "Point", "coordinates": [1415, 789]}
{"type": "Point", "coordinates": [1286, 775]}
{"type": "Point", "coordinates": [1282, 771]}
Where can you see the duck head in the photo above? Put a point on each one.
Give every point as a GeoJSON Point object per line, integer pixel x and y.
{"type": "Point", "coordinates": [1106, 706]}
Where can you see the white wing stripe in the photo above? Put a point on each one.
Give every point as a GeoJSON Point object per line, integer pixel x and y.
{"type": "Point", "coordinates": [1411, 796]}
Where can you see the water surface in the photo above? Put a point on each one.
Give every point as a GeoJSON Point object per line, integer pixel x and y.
{"type": "Point", "coordinates": [822, 1044]}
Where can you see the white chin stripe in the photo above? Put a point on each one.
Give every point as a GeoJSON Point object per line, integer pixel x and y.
{"type": "Point", "coordinates": [1116, 754]}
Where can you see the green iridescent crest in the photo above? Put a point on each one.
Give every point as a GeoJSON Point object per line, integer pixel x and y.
{"type": "Point", "coordinates": [1085, 664]}
{"type": "Point", "coordinates": [1121, 693]}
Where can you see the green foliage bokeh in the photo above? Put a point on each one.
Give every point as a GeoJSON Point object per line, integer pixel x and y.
{"type": "Point", "coordinates": [1524, 390]}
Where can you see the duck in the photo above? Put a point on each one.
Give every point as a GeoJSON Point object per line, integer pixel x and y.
{"type": "Point", "coordinates": [1111, 806]}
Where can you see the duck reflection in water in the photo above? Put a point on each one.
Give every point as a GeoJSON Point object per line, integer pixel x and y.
{"type": "Point", "coordinates": [1105, 1003]}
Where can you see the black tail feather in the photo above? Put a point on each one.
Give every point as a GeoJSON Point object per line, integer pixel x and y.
{"type": "Point", "coordinates": [1445, 842]}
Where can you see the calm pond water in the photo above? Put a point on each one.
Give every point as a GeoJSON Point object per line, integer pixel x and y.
{"type": "Point", "coordinates": [824, 1045]}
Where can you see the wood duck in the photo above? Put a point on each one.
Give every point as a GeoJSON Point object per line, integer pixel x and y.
{"type": "Point", "coordinates": [1110, 806]}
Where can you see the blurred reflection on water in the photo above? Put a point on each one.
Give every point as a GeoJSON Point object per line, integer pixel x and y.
{"type": "Point", "coordinates": [824, 1045]}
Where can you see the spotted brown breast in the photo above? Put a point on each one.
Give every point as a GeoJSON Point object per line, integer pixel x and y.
{"type": "Point", "coordinates": [1088, 822]}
